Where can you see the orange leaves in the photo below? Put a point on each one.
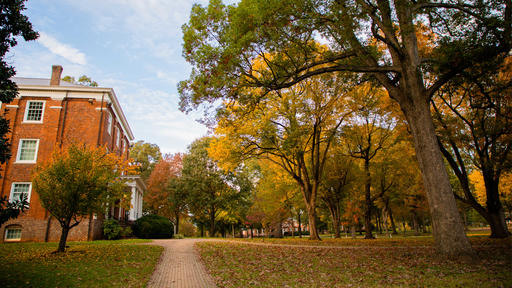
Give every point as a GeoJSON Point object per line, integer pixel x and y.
{"type": "Point", "coordinates": [157, 196]}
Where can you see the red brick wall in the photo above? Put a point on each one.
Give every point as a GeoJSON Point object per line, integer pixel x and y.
{"type": "Point", "coordinates": [80, 124]}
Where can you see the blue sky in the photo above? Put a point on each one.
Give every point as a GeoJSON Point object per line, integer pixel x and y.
{"type": "Point", "coordinates": [133, 46]}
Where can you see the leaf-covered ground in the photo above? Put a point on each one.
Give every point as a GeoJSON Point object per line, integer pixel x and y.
{"type": "Point", "coordinates": [85, 264]}
{"type": "Point", "coordinates": [396, 241]}
{"type": "Point", "coordinates": [235, 264]}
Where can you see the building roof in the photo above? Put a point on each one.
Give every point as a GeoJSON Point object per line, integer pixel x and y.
{"type": "Point", "coordinates": [41, 82]}
{"type": "Point", "coordinates": [44, 84]}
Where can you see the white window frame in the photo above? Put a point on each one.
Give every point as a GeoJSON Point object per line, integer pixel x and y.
{"type": "Point", "coordinates": [109, 123]}
{"type": "Point", "coordinates": [118, 137]}
{"type": "Point", "coordinates": [18, 153]}
{"type": "Point", "coordinates": [12, 239]}
{"type": "Point", "coordinates": [29, 190]}
{"type": "Point", "coordinates": [26, 112]}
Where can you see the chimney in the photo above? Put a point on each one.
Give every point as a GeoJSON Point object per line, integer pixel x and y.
{"type": "Point", "coordinates": [56, 74]}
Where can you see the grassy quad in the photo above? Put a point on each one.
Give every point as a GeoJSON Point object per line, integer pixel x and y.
{"type": "Point", "coordinates": [404, 262]}
{"type": "Point", "coordinates": [85, 264]}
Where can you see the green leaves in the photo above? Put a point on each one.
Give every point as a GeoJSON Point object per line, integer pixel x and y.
{"type": "Point", "coordinates": [79, 181]}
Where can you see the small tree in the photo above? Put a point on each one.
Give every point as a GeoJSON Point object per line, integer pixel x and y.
{"type": "Point", "coordinates": [79, 181]}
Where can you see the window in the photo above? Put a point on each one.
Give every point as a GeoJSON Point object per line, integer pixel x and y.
{"type": "Point", "coordinates": [109, 123]}
{"type": "Point", "coordinates": [13, 233]}
{"type": "Point", "coordinates": [27, 151]}
{"type": "Point", "coordinates": [118, 137]}
{"type": "Point", "coordinates": [34, 112]}
{"type": "Point", "coordinates": [20, 190]}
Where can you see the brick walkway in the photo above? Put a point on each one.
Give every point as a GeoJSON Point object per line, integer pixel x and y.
{"type": "Point", "coordinates": [179, 266]}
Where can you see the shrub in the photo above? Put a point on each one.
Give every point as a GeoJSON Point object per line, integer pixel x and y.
{"type": "Point", "coordinates": [153, 226]}
{"type": "Point", "coordinates": [112, 229]}
{"type": "Point", "coordinates": [126, 232]}
{"type": "Point", "coordinates": [179, 236]}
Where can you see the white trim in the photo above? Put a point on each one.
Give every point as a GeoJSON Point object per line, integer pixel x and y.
{"type": "Point", "coordinates": [12, 106]}
{"type": "Point", "coordinates": [29, 190]}
{"type": "Point", "coordinates": [13, 227]}
{"type": "Point", "coordinates": [110, 123]}
{"type": "Point", "coordinates": [56, 107]}
{"type": "Point", "coordinates": [18, 153]}
{"type": "Point", "coordinates": [58, 93]}
{"type": "Point", "coordinates": [118, 138]}
{"type": "Point", "coordinates": [27, 106]}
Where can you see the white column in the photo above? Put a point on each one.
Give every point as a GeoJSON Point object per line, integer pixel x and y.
{"type": "Point", "coordinates": [139, 205]}
{"type": "Point", "coordinates": [133, 204]}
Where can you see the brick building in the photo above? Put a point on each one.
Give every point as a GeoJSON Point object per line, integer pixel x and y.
{"type": "Point", "coordinates": [49, 113]}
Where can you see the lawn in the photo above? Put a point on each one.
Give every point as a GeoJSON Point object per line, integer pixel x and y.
{"type": "Point", "coordinates": [408, 262]}
{"type": "Point", "coordinates": [85, 264]}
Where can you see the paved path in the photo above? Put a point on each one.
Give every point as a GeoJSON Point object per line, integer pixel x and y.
{"type": "Point", "coordinates": [179, 266]}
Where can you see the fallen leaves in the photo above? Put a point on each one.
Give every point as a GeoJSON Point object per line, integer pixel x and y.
{"type": "Point", "coordinates": [391, 264]}
{"type": "Point", "coordinates": [85, 264]}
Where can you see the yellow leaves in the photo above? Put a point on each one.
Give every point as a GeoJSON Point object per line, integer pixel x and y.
{"type": "Point", "coordinates": [221, 149]}
{"type": "Point", "coordinates": [505, 187]}
{"type": "Point", "coordinates": [477, 180]}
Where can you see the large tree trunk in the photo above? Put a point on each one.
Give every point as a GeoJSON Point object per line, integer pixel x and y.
{"type": "Point", "coordinates": [313, 232]}
{"type": "Point", "coordinates": [368, 202]}
{"type": "Point", "coordinates": [177, 216]}
{"type": "Point", "coordinates": [309, 194]}
{"type": "Point", "coordinates": [336, 224]}
{"type": "Point", "coordinates": [448, 230]}
{"type": "Point", "coordinates": [63, 238]}
{"type": "Point", "coordinates": [495, 209]}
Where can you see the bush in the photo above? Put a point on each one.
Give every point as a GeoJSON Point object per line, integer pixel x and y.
{"type": "Point", "coordinates": [112, 229]}
{"type": "Point", "coordinates": [179, 236]}
{"type": "Point", "coordinates": [153, 227]}
{"type": "Point", "coordinates": [126, 232]}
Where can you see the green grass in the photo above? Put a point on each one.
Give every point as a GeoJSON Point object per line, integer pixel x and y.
{"type": "Point", "coordinates": [118, 263]}
{"type": "Point", "coordinates": [382, 265]}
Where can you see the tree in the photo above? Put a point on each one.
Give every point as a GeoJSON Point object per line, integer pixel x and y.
{"type": "Point", "coordinates": [369, 135]}
{"type": "Point", "coordinates": [293, 128]}
{"type": "Point", "coordinates": [272, 200]}
{"type": "Point", "coordinates": [210, 189]}
{"type": "Point", "coordinates": [11, 209]}
{"type": "Point", "coordinates": [338, 180]}
{"type": "Point", "coordinates": [145, 155]}
{"type": "Point", "coordinates": [474, 126]}
{"type": "Point", "coordinates": [82, 80]}
{"type": "Point", "coordinates": [373, 38]}
{"type": "Point", "coordinates": [166, 195]}
{"type": "Point", "coordinates": [12, 24]}
{"type": "Point", "coordinates": [78, 181]}
{"type": "Point", "coordinates": [477, 181]}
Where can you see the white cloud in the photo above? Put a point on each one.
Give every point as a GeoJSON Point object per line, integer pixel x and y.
{"type": "Point", "coordinates": [66, 51]}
